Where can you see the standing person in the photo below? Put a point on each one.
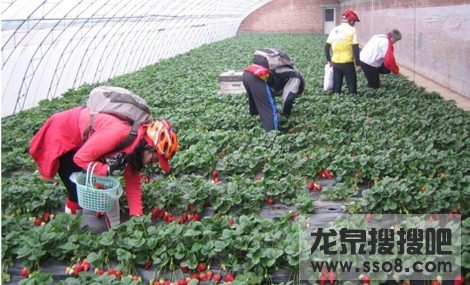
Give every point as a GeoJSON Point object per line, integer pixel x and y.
{"type": "Point", "coordinates": [377, 57]}
{"type": "Point", "coordinates": [271, 74]}
{"type": "Point", "coordinates": [343, 43]}
{"type": "Point", "coordinates": [59, 148]}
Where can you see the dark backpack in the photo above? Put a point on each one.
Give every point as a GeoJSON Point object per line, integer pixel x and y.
{"type": "Point", "coordinates": [271, 58]}
{"type": "Point", "coordinates": [121, 103]}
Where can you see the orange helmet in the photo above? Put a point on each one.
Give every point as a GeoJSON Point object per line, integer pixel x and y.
{"type": "Point", "coordinates": [162, 137]}
{"type": "Point", "coordinates": [349, 15]}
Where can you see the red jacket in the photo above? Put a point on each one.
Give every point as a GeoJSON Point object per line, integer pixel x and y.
{"type": "Point", "coordinates": [63, 132]}
{"type": "Point", "coordinates": [389, 60]}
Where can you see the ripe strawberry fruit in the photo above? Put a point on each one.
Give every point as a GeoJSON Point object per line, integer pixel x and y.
{"type": "Point", "coordinates": [366, 279]}
{"type": "Point", "coordinates": [459, 280]}
{"type": "Point", "coordinates": [229, 277]}
{"type": "Point", "coordinates": [24, 272]}
{"type": "Point", "coordinates": [209, 275]}
{"type": "Point", "coordinates": [38, 222]}
{"type": "Point", "coordinates": [311, 185]}
{"type": "Point", "coordinates": [216, 179]}
{"type": "Point", "coordinates": [216, 278]}
{"type": "Point", "coordinates": [46, 217]}
{"type": "Point", "coordinates": [148, 264]}
{"type": "Point", "coordinates": [270, 201]}
{"type": "Point", "coordinates": [215, 173]}
{"type": "Point", "coordinates": [201, 266]}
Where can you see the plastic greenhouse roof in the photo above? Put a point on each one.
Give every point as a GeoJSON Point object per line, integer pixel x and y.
{"type": "Point", "coordinates": [49, 47]}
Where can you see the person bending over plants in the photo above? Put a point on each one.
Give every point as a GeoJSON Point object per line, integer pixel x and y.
{"type": "Point", "coordinates": [377, 57]}
{"type": "Point", "coordinates": [72, 139]}
{"type": "Point", "coordinates": [271, 74]}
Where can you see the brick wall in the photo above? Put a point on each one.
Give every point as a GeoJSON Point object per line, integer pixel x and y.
{"type": "Point", "coordinates": [287, 16]}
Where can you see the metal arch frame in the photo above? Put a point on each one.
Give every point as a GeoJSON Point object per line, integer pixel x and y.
{"type": "Point", "coordinates": [197, 34]}
{"type": "Point", "coordinates": [85, 68]}
{"type": "Point", "coordinates": [174, 19]}
{"type": "Point", "coordinates": [32, 74]}
{"type": "Point", "coordinates": [18, 28]}
{"type": "Point", "coordinates": [114, 71]}
{"type": "Point", "coordinates": [152, 42]}
{"type": "Point", "coordinates": [165, 53]}
{"type": "Point", "coordinates": [69, 44]}
{"type": "Point", "coordinates": [144, 50]}
{"type": "Point", "coordinates": [127, 68]}
{"type": "Point", "coordinates": [11, 3]}
{"type": "Point", "coordinates": [98, 73]}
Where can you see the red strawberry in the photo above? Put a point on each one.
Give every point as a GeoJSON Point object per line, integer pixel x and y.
{"type": "Point", "coordinates": [182, 282]}
{"type": "Point", "coordinates": [229, 277]}
{"type": "Point", "coordinates": [201, 266]}
{"type": "Point", "coordinates": [270, 201]}
{"type": "Point", "coordinates": [216, 278]}
{"type": "Point", "coordinates": [215, 173]}
{"type": "Point", "coordinates": [325, 174]}
{"type": "Point", "coordinates": [155, 213]}
{"type": "Point", "coordinates": [216, 179]}
{"type": "Point", "coordinates": [317, 187]}
{"type": "Point", "coordinates": [368, 218]}
{"type": "Point", "coordinates": [459, 280]}
{"type": "Point", "coordinates": [46, 217]}
{"type": "Point", "coordinates": [196, 217]}
{"type": "Point", "coordinates": [209, 275]}
{"type": "Point", "coordinates": [78, 268]}
{"type": "Point", "coordinates": [148, 264]}
{"type": "Point", "coordinates": [230, 221]}
{"type": "Point", "coordinates": [203, 276]}
{"type": "Point", "coordinates": [366, 279]}
{"type": "Point", "coordinates": [311, 185]}
{"type": "Point", "coordinates": [332, 277]}
{"type": "Point", "coordinates": [24, 272]}
{"type": "Point", "coordinates": [38, 222]}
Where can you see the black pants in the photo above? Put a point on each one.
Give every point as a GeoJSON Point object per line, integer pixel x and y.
{"type": "Point", "coordinates": [347, 70]}
{"type": "Point", "coordinates": [261, 101]}
{"type": "Point", "coordinates": [372, 74]}
{"type": "Point", "coordinates": [66, 168]}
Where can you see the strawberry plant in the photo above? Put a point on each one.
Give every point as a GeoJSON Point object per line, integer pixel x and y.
{"type": "Point", "coordinates": [390, 142]}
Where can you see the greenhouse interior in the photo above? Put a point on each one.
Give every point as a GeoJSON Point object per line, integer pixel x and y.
{"type": "Point", "coordinates": [243, 142]}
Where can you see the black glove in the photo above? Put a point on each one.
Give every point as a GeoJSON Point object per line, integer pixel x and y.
{"type": "Point", "coordinates": [117, 163]}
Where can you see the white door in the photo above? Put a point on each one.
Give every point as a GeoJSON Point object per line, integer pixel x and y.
{"type": "Point", "coordinates": [330, 21]}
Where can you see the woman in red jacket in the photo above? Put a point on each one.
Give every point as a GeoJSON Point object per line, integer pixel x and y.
{"type": "Point", "coordinates": [58, 147]}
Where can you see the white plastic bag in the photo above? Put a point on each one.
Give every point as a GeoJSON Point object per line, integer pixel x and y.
{"type": "Point", "coordinates": [328, 78]}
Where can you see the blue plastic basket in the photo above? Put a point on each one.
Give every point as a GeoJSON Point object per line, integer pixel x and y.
{"type": "Point", "coordinates": [95, 199]}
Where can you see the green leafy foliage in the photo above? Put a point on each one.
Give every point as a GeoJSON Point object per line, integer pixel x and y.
{"type": "Point", "coordinates": [395, 140]}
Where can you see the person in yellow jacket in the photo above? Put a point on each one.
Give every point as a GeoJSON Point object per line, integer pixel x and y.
{"type": "Point", "coordinates": [343, 43]}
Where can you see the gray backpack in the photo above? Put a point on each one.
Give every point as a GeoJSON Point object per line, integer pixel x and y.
{"type": "Point", "coordinates": [121, 103]}
{"type": "Point", "coordinates": [271, 58]}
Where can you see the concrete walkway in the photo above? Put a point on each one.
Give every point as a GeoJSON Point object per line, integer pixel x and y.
{"type": "Point", "coordinates": [461, 101]}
